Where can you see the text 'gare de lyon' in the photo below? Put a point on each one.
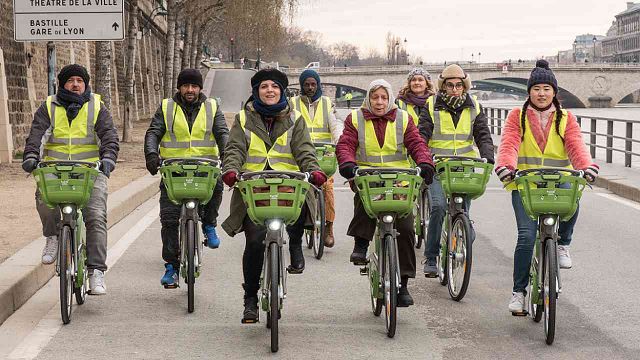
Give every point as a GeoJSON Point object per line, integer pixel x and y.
{"type": "Point", "coordinates": [46, 27]}
{"type": "Point", "coordinates": [74, 2]}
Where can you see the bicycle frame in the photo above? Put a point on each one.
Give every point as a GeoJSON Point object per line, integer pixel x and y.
{"type": "Point", "coordinates": [385, 226]}
{"type": "Point", "coordinates": [275, 234]}
{"type": "Point", "coordinates": [189, 211]}
{"type": "Point", "coordinates": [548, 226]}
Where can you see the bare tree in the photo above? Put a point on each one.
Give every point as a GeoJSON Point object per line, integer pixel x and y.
{"type": "Point", "coordinates": [130, 64]}
{"type": "Point", "coordinates": [103, 71]}
{"type": "Point", "coordinates": [170, 47]}
{"type": "Point", "coordinates": [188, 38]}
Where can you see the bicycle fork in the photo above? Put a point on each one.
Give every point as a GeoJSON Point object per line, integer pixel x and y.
{"type": "Point", "coordinates": [275, 234]}
{"type": "Point", "coordinates": [548, 231]}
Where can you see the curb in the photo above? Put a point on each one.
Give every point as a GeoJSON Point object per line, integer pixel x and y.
{"type": "Point", "coordinates": [23, 274]}
{"type": "Point", "coordinates": [620, 187]}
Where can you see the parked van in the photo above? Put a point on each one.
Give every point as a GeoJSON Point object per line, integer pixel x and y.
{"type": "Point", "coordinates": [313, 65]}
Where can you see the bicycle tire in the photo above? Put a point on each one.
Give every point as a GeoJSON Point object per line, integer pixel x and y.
{"type": "Point", "coordinates": [535, 310]}
{"type": "Point", "coordinates": [424, 213]}
{"type": "Point", "coordinates": [390, 288]}
{"type": "Point", "coordinates": [376, 304]}
{"type": "Point", "coordinates": [274, 297]}
{"type": "Point", "coordinates": [81, 292]}
{"type": "Point", "coordinates": [441, 260]}
{"type": "Point", "coordinates": [320, 230]}
{"type": "Point", "coordinates": [460, 256]}
{"type": "Point", "coordinates": [550, 294]}
{"type": "Point", "coordinates": [308, 238]}
{"type": "Point", "coordinates": [191, 266]}
{"type": "Point", "coordinates": [65, 262]}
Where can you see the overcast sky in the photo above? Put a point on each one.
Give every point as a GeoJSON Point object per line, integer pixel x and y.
{"type": "Point", "coordinates": [454, 29]}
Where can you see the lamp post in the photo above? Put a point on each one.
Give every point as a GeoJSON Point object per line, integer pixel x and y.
{"type": "Point", "coordinates": [471, 57]}
{"type": "Point", "coordinates": [406, 57]}
{"type": "Point", "coordinates": [396, 52]}
{"type": "Point", "coordinates": [575, 57]}
{"type": "Point", "coordinates": [258, 59]}
{"type": "Point", "coordinates": [594, 49]}
{"type": "Point", "coordinates": [232, 40]}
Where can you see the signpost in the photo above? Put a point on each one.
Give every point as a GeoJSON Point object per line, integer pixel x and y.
{"type": "Point", "coordinates": [65, 20]}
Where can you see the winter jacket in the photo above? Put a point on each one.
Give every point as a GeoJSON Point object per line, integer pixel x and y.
{"type": "Point", "coordinates": [511, 139]}
{"type": "Point", "coordinates": [348, 144]}
{"type": "Point", "coordinates": [105, 130]}
{"type": "Point", "coordinates": [237, 148]}
{"type": "Point", "coordinates": [157, 128]}
{"type": "Point", "coordinates": [481, 133]}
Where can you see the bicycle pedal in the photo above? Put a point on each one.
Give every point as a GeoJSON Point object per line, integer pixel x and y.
{"type": "Point", "coordinates": [361, 263]}
{"type": "Point", "coordinates": [364, 271]}
{"type": "Point", "coordinates": [250, 321]}
{"type": "Point", "coordinates": [174, 286]}
{"type": "Point", "coordinates": [522, 313]}
{"type": "Point", "coordinates": [293, 271]}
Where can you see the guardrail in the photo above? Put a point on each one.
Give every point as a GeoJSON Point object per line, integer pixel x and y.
{"type": "Point", "coordinates": [497, 116]}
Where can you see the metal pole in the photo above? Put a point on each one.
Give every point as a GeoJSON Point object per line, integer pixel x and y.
{"type": "Point", "coordinates": [493, 121]}
{"type": "Point", "coordinates": [499, 122]}
{"type": "Point", "coordinates": [51, 66]}
{"type": "Point", "coordinates": [609, 141]}
{"type": "Point", "coordinates": [628, 145]}
{"type": "Point", "coordinates": [593, 138]}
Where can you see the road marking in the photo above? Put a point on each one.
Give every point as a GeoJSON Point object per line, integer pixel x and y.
{"type": "Point", "coordinates": [620, 200]}
{"type": "Point", "coordinates": [49, 325]}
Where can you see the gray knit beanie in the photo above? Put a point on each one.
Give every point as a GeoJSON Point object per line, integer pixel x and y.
{"type": "Point", "coordinates": [541, 74]}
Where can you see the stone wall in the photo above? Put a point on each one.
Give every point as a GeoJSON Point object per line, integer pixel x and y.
{"type": "Point", "coordinates": [26, 69]}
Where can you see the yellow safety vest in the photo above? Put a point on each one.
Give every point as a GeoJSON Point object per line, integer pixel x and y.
{"type": "Point", "coordinates": [554, 155]}
{"type": "Point", "coordinates": [393, 153]}
{"type": "Point", "coordinates": [76, 140]}
{"type": "Point", "coordinates": [348, 96]}
{"type": "Point", "coordinates": [319, 125]}
{"type": "Point", "coordinates": [279, 157]}
{"type": "Point", "coordinates": [411, 109]}
{"type": "Point", "coordinates": [179, 142]}
{"type": "Point", "coordinates": [448, 139]}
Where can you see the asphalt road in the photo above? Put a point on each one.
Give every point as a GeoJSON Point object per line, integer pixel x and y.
{"type": "Point", "coordinates": [327, 313]}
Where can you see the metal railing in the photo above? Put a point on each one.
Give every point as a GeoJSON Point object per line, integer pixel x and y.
{"type": "Point", "coordinates": [497, 116]}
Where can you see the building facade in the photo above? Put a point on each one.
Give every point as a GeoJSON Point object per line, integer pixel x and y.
{"type": "Point", "coordinates": [622, 43]}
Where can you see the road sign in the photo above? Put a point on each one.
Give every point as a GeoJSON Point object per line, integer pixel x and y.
{"type": "Point", "coordinates": [44, 20]}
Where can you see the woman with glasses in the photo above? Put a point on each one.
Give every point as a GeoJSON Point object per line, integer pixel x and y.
{"type": "Point", "coordinates": [453, 123]}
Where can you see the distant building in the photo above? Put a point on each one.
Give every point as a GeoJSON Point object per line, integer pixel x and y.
{"type": "Point", "coordinates": [622, 43]}
{"type": "Point", "coordinates": [585, 48]}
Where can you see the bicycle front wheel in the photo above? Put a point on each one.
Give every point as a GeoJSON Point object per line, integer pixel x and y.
{"type": "Point", "coordinates": [274, 294]}
{"type": "Point", "coordinates": [190, 228]}
{"type": "Point", "coordinates": [441, 261]}
{"type": "Point", "coordinates": [550, 292]}
{"type": "Point", "coordinates": [459, 257]}
{"type": "Point", "coordinates": [390, 278]}
{"type": "Point", "coordinates": [65, 262]}
{"type": "Point", "coordinates": [423, 215]}
{"type": "Point", "coordinates": [536, 307]}
{"type": "Point", "coordinates": [81, 291]}
{"type": "Point", "coordinates": [319, 228]}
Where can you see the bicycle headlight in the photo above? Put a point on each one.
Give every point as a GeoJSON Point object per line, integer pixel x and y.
{"type": "Point", "coordinates": [458, 200]}
{"type": "Point", "coordinates": [67, 209]}
{"type": "Point", "coordinates": [275, 225]}
{"type": "Point", "coordinates": [549, 221]}
{"type": "Point", "coordinates": [191, 205]}
{"type": "Point", "coordinates": [387, 219]}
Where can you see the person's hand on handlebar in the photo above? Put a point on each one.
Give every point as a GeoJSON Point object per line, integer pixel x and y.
{"type": "Point", "coordinates": [591, 172]}
{"type": "Point", "coordinates": [348, 170]}
{"type": "Point", "coordinates": [230, 177]}
{"type": "Point", "coordinates": [317, 178]}
{"type": "Point", "coordinates": [505, 173]}
{"type": "Point", "coordinates": [153, 163]}
{"type": "Point", "coordinates": [107, 166]}
{"type": "Point", "coordinates": [426, 172]}
{"type": "Point", "coordinates": [30, 163]}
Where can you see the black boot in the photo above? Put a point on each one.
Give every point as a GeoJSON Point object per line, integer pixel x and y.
{"type": "Point", "coordinates": [250, 315]}
{"type": "Point", "coordinates": [297, 260]}
{"type": "Point", "coordinates": [359, 254]}
{"type": "Point", "coordinates": [404, 298]}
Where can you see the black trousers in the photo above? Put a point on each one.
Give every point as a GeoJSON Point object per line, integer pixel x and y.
{"type": "Point", "coordinates": [253, 257]}
{"type": "Point", "coordinates": [170, 220]}
{"type": "Point", "coordinates": [364, 227]}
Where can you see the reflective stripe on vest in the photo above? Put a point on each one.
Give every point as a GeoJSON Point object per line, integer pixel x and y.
{"type": "Point", "coordinates": [393, 152]}
{"type": "Point", "coordinates": [555, 155]}
{"type": "Point", "coordinates": [76, 140]}
{"type": "Point", "coordinates": [279, 157]}
{"type": "Point", "coordinates": [319, 126]}
{"type": "Point", "coordinates": [411, 109]}
{"type": "Point", "coordinates": [179, 141]}
{"type": "Point", "coordinates": [448, 139]}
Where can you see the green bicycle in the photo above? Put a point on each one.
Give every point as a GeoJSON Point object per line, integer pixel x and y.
{"type": "Point", "coordinates": [422, 213]}
{"type": "Point", "coordinates": [68, 186]}
{"type": "Point", "coordinates": [463, 179]}
{"type": "Point", "coordinates": [549, 195]}
{"type": "Point", "coordinates": [274, 199]}
{"type": "Point", "coordinates": [190, 183]}
{"type": "Point", "coordinates": [326, 155]}
{"type": "Point", "coordinates": [386, 194]}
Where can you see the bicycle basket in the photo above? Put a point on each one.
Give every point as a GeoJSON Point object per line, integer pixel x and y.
{"type": "Point", "coordinates": [388, 193]}
{"type": "Point", "coordinates": [327, 159]}
{"type": "Point", "coordinates": [65, 184]}
{"type": "Point", "coordinates": [273, 198]}
{"type": "Point", "coordinates": [550, 194]}
{"type": "Point", "coordinates": [189, 181]}
{"type": "Point", "coordinates": [464, 177]}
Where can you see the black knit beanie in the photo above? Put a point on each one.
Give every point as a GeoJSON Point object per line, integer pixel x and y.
{"type": "Point", "coordinates": [541, 74]}
{"type": "Point", "coordinates": [270, 74]}
{"type": "Point", "coordinates": [73, 70]}
{"type": "Point", "coordinates": [190, 76]}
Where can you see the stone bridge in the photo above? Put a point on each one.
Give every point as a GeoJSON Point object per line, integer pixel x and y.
{"type": "Point", "coordinates": [584, 85]}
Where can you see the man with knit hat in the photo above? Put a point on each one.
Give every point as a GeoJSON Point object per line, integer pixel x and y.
{"type": "Point", "coordinates": [320, 115]}
{"type": "Point", "coordinates": [75, 113]}
{"type": "Point", "coordinates": [453, 123]}
{"type": "Point", "coordinates": [192, 118]}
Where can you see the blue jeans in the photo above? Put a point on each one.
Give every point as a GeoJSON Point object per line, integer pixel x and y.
{"type": "Point", "coordinates": [527, 231]}
{"type": "Point", "coordinates": [438, 208]}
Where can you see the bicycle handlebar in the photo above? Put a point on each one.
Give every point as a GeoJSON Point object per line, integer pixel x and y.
{"type": "Point", "coordinates": [274, 174]}
{"type": "Point", "coordinates": [550, 171]}
{"type": "Point", "coordinates": [376, 171]}
{"type": "Point", "coordinates": [88, 164]}
{"type": "Point", "coordinates": [458, 157]}
{"type": "Point", "coordinates": [192, 161]}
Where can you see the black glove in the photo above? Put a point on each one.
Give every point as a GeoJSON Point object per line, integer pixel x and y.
{"type": "Point", "coordinates": [107, 166]}
{"type": "Point", "coordinates": [426, 172]}
{"type": "Point", "coordinates": [29, 163]}
{"type": "Point", "coordinates": [505, 174]}
{"type": "Point", "coordinates": [153, 162]}
{"type": "Point", "coordinates": [348, 170]}
{"type": "Point", "coordinates": [490, 160]}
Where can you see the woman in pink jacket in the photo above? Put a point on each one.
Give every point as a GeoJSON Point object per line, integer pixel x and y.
{"type": "Point", "coordinates": [541, 130]}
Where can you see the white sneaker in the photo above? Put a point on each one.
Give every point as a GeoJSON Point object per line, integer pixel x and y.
{"type": "Point", "coordinates": [50, 251]}
{"type": "Point", "coordinates": [516, 305]}
{"type": "Point", "coordinates": [96, 283]}
{"type": "Point", "coordinates": [564, 259]}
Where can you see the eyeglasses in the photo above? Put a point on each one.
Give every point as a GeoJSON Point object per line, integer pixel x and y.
{"type": "Point", "coordinates": [458, 86]}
